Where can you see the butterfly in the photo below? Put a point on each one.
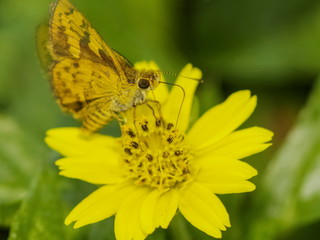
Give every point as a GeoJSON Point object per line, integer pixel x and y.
{"type": "Point", "coordinates": [90, 80]}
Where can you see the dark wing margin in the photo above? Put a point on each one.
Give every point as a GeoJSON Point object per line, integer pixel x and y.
{"type": "Point", "coordinates": [123, 58]}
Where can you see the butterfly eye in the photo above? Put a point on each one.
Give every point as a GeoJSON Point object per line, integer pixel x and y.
{"type": "Point", "coordinates": [143, 83]}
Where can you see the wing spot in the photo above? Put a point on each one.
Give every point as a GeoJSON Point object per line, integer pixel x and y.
{"type": "Point", "coordinates": [71, 10]}
{"type": "Point", "coordinates": [62, 28]}
{"type": "Point", "coordinates": [84, 24]}
{"type": "Point", "coordinates": [71, 28]}
{"type": "Point", "coordinates": [86, 37]}
{"type": "Point", "coordinates": [76, 65]}
{"type": "Point", "coordinates": [76, 106]}
{"type": "Point", "coordinates": [67, 91]}
{"type": "Point", "coordinates": [63, 43]}
{"type": "Point", "coordinates": [107, 74]}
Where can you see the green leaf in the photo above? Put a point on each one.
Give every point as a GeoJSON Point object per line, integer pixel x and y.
{"type": "Point", "coordinates": [289, 194]}
{"type": "Point", "coordinates": [41, 214]}
{"type": "Point", "coordinates": [20, 154]}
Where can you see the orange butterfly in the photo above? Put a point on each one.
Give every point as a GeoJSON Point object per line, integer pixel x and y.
{"type": "Point", "coordinates": [91, 81]}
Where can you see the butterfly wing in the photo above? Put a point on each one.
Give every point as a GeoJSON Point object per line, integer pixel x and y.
{"type": "Point", "coordinates": [84, 88]}
{"type": "Point", "coordinates": [87, 73]}
{"type": "Point", "coordinates": [72, 36]}
{"type": "Point", "coordinates": [42, 35]}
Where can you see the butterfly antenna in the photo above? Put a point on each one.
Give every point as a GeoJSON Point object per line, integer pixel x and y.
{"type": "Point", "coordinates": [175, 74]}
{"type": "Point", "coordinates": [183, 97]}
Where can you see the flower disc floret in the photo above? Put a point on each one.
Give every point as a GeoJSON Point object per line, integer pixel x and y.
{"type": "Point", "coordinates": [155, 154]}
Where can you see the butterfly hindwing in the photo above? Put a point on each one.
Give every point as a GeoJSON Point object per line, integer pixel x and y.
{"type": "Point", "coordinates": [42, 36]}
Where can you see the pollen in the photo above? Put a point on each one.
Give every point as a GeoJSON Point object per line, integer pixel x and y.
{"type": "Point", "coordinates": [155, 154]}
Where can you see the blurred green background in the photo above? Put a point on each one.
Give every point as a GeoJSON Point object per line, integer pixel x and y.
{"type": "Point", "coordinates": [270, 47]}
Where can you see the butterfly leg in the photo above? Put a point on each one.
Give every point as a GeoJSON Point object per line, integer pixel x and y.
{"type": "Point", "coordinates": [118, 117]}
{"type": "Point", "coordinates": [160, 119]}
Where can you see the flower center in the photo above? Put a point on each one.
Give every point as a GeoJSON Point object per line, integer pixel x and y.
{"type": "Point", "coordinates": [155, 154]}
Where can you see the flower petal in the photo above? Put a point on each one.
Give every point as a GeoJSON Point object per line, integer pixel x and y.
{"type": "Point", "coordinates": [128, 220]}
{"type": "Point", "coordinates": [99, 205]}
{"type": "Point", "coordinates": [96, 170]}
{"type": "Point", "coordinates": [222, 119]}
{"type": "Point", "coordinates": [148, 210]}
{"type": "Point", "coordinates": [166, 208]}
{"type": "Point", "coordinates": [175, 99]}
{"type": "Point", "coordinates": [241, 144]}
{"type": "Point", "coordinates": [74, 142]}
{"type": "Point", "coordinates": [239, 186]}
{"type": "Point", "coordinates": [161, 93]}
{"type": "Point", "coordinates": [203, 210]}
{"type": "Point", "coordinates": [225, 175]}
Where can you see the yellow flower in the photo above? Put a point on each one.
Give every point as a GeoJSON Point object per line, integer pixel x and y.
{"type": "Point", "coordinates": [156, 168]}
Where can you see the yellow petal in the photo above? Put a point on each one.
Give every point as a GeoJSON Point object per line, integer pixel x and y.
{"type": "Point", "coordinates": [166, 208]}
{"type": "Point", "coordinates": [148, 210]}
{"type": "Point", "coordinates": [128, 219]}
{"type": "Point", "coordinates": [161, 93]}
{"type": "Point", "coordinates": [175, 100]}
{"type": "Point", "coordinates": [241, 144]}
{"type": "Point", "coordinates": [223, 166]}
{"type": "Point", "coordinates": [142, 65]}
{"type": "Point", "coordinates": [222, 119]}
{"type": "Point", "coordinates": [239, 186]}
{"type": "Point", "coordinates": [99, 205]}
{"type": "Point", "coordinates": [96, 170]}
{"type": "Point", "coordinates": [203, 210]}
{"type": "Point", "coordinates": [225, 175]}
{"type": "Point", "coordinates": [74, 142]}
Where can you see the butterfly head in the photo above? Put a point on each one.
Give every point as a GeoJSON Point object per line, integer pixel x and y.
{"type": "Point", "coordinates": [148, 80]}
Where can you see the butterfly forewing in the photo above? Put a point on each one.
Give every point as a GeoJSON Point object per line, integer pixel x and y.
{"type": "Point", "coordinates": [72, 36]}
